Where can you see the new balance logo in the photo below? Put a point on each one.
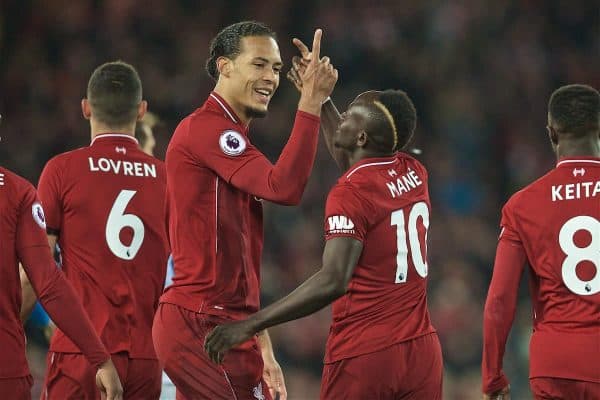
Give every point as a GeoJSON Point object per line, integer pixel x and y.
{"type": "Point", "coordinates": [121, 150]}
{"type": "Point", "coordinates": [340, 223]}
{"type": "Point", "coordinates": [578, 171]}
{"type": "Point", "coordinates": [1, 179]}
{"type": "Point", "coordinates": [392, 172]}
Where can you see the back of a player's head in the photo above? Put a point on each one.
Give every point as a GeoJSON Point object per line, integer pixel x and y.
{"type": "Point", "coordinates": [575, 110]}
{"type": "Point", "coordinates": [114, 92]}
{"type": "Point", "coordinates": [227, 43]}
{"type": "Point", "coordinates": [395, 119]}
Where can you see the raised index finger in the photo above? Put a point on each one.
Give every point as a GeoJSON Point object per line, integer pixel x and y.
{"type": "Point", "coordinates": [304, 52]}
{"type": "Point", "coordinates": [316, 48]}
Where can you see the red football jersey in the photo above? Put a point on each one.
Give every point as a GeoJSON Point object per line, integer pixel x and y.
{"type": "Point", "coordinates": [556, 220]}
{"type": "Point", "coordinates": [384, 203]}
{"type": "Point", "coordinates": [216, 182]}
{"type": "Point", "coordinates": [17, 199]}
{"type": "Point", "coordinates": [106, 202]}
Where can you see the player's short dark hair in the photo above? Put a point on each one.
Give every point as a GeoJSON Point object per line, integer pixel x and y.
{"type": "Point", "coordinates": [404, 115]}
{"type": "Point", "coordinates": [575, 109]}
{"type": "Point", "coordinates": [115, 92]}
{"type": "Point", "coordinates": [227, 42]}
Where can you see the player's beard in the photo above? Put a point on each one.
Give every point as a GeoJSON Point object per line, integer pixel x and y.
{"type": "Point", "coordinates": [255, 113]}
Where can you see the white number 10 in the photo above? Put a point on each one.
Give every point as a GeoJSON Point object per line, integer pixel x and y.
{"type": "Point", "coordinates": [419, 261]}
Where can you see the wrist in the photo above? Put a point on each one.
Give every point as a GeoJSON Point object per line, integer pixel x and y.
{"type": "Point", "coordinates": [310, 105]}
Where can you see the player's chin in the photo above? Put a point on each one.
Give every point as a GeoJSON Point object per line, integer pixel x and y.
{"type": "Point", "coordinates": [257, 111]}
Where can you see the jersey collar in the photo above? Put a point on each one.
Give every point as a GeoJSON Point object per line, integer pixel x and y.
{"type": "Point", "coordinates": [578, 160]}
{"type": "Point", "coordinates": [103, 137]}
{"type": "Point", "coordinates": [369, 162]}
{"type": "Point", "coordinates": [220, 103]}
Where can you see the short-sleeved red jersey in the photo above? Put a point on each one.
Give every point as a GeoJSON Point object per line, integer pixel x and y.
{"type": "Point", "coordinates": [215, 226]}
{"type": "Point", "coordinates": [106, 203]}
{"type": "Point", "coordinates": [384, 203]}
{"type": "Point", "coordinates": [17, 199]}
{"type": "Point", "coordinates": [556, 220]}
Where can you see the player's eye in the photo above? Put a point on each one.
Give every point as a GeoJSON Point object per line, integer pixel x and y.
{"type": "Point", "coordinates": [259, 65]}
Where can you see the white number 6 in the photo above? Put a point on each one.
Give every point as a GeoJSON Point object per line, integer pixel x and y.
{"type": "Point", "coordinates": [117, 220]}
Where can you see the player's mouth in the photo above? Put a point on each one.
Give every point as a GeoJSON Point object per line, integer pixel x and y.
{"type": "Point", "coordinates": [263, 95]}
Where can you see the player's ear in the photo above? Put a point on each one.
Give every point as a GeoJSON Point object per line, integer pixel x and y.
{"type": "Point", "coordinates": [86, 109]}
{"type": "Point", "coordinates": [142, 108]}
{"type": "Point", "coordinates": [553, 135]}
{"type": "Point", "coordinates": [362, 139]}
{"type": "Point", "coordinates": [224, 66]}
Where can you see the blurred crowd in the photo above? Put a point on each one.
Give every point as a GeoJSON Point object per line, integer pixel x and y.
{"type": "Point", "coordinates": [479, 72]}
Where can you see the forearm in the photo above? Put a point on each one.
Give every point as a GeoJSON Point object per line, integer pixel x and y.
{"type": "Point", "coordinates": [317, 292]}
{"type": "Point", "coordinates": [499, 313]}
{"type": "Point", "coordinates": [27, 294]}
{"type": "Point", "coordinates": [285, 181]}
{"type": "Point", "coordinates": [61, 303]}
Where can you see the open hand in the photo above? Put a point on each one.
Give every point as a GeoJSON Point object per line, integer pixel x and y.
{"type": "Point", "coordinates": [226, 336]}
{"type": "Point", "coordinates": [107, 380]}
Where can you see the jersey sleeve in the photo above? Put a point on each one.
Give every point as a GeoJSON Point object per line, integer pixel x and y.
{"type": "Point", "coordinates": [501, 302]}
{"type": "Point", "coordinates": [508, 226]}
{"type": "Point", "coordinates": [231, 155]}
{"type": "Point", "coordinates": [49, 191]}
{"type": "Point", "coordinates": [50, 285]}
{"type": "Point", "coordinates": [346, 214]}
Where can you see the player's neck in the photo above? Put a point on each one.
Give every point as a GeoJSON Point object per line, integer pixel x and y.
{"type": "Point", "coordinates": [239, 111]}
{"type": "Point", "coordinates": [100, 129]}
{"type": "Point", "coordinates": [578, 147]}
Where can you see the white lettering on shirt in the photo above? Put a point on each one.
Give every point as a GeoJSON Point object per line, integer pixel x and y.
{"type": "Point", "coordinates": [574, 191]}
{"type": "Point", "coordinates": [340, 224]}
{"type": "Point", "coordinates": [405, 183]}
{"type": "Point", "coordinates": [127, 168]}
{"type": "Point", "coordinates": [1, 179]}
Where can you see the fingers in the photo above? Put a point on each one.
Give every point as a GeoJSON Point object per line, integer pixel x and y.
{"type": "Point", "coordinates": [213, 346]}
{"type": "Point", "coordinates": [316, 48]}
{"type": "Point", "coordinates": [304, 52]}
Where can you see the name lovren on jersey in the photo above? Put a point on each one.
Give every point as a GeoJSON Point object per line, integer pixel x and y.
{"type": "Point", "coordinates": [126, 168]}
{"type": "Point", "coordinates": [405, 183]}
{"type": "Point", "coordinates": [573, 191]}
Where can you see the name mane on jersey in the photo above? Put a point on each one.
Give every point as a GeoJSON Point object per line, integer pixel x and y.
{"type": "Point", "coordinates": [574, 191]}
{"type": "Point", "coordinates": [1, 179]}
{"type": "Point", "coordinates": [127, 168]}
{"type": "Point", "coordinates": [404, 184]}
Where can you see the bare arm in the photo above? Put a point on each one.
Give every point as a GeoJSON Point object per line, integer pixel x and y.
{"type": "Point", "coordinates": [329, 283]}
{"type": "Point", "coordinates": [29, 297]}
{"type": "Point", "coordinates": [330, 116]}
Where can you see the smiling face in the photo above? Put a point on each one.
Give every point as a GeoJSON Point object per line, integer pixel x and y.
{"type": "Point", "coordinates": [253, 76]}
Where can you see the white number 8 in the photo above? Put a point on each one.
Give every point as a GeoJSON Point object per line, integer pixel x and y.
{"type": "Point", "coordinates": [575, 254]}
{"type": "Point", "coordinates": [117, 220]}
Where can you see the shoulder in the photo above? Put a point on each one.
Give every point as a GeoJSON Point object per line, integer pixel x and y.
{"type": "Point", "coordinates": [345, 192]}
{"type": "Point", "coordinates": [16, 187]}
{"type": "Point", "coordinates": [530, 194]}
{"type": "Point", "coordinates": [66, 157]}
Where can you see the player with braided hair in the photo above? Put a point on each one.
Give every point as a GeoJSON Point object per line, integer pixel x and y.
{"type": "Point", "coordinates": [381, 344]}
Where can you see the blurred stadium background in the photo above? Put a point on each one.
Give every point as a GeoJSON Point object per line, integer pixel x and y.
{"type": "Point", "coordinates": [480, 73]}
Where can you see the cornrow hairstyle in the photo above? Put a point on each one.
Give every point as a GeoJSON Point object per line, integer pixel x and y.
{"type": "Point", "coordinates": [227, 42]}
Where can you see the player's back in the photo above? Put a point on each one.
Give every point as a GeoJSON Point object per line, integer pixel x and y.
{"type": "Point", "coordinates": [13, 195]}
{"type": "Point", "coordinates": [385, 203]}
{"type": "Point", "coordinates": [557, 218]}
{"type": "Point", "coordinates": [106, 203]}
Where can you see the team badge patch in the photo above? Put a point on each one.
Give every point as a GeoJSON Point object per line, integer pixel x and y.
{"type": "Point", "coordinates": [38, 215]}
{"type": "Point", "coordinates": [258, 392]}
{"type": "Point", "coordinates": [232, 143]}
